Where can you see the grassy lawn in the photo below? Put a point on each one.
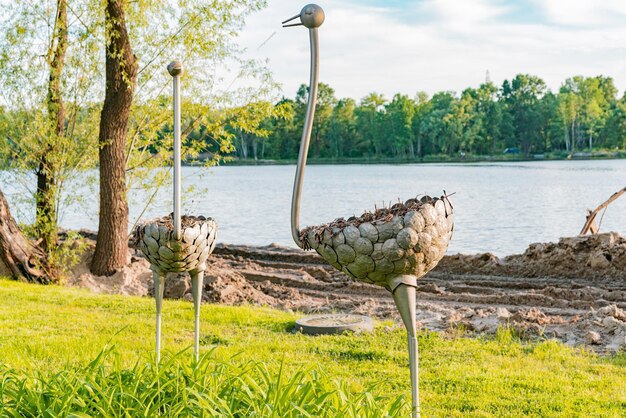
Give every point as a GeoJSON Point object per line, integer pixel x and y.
{"type": "Point", "coordinates": [254, 365]}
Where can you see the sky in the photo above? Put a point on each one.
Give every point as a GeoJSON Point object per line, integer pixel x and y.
{"type": "Point", "coordinates": [402, 46]}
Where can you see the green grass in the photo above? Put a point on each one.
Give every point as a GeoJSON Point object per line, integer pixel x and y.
{"type": "Point", "coordinates": [53, 358]}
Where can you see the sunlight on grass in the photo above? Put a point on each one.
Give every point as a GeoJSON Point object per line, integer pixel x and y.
{"type": "Point", "coordinates": [47, 330]}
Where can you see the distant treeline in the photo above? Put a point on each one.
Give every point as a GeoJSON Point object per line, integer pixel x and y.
{"type": "Point", "coordinates": [520, 116]}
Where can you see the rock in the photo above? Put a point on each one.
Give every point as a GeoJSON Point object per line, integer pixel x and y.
{"type": "Point", "coordinates": [377, 254]}
{"type": "Point", "coordinates": [424, 241]}
{"type": "Point", "coordinates": [176, 285]}
{"type": "Point", "coordinates": [397, 224]}
{"type": "Point", "coordinates": [429, 214]}
{"type": "Point", "coordinates": [327, 237]}
{"type": "Point", "coordinates": [369, 232]}
{"type": "Point", "coordinates": [384, 266]}
{"type": "Point", "coordinates": [392, 250]}
{"type": "Point", "coordinates": [385, 231]}
{"type": "Point", "coordinates": [598, 260]}
{"type": "Point", "coordinates": [312, 240]}
{"type": "Point", "coordinates": [614, 311]}
{"type": "Point", "coordinates": [363, 246]}
{"type": "Point", "coordinates": [401, 266]}
{"type": "Point", "coordinates": [328, 253]}
{"type": "Point", "coordinates": [611, 323]}
{"type": "Point", "coordinates": [190, 234]}
{"type": "Point", "coordinates": [503, 313]}
{"type": "Point", "coordinates": [361, 266]}
{"type": "Point", "coordinates": [407, 238]}
{"type": "Point", "coordinates": [345, 254]}
{"type": "Point", "coordinates": [440, 207]}
{"type": "Point", "coordinates": [338, 239]}
{"type": "Point", "coordinates": [351, 233]}
{"type": "Point", "coordinates": [413, 219]}
{"type": "Point", "coordinates": [593, 337]}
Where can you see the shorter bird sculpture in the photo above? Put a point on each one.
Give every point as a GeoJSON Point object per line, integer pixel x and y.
{"type": "Point", "coordinates": [175, 244]}
{"type": "Point", "coordinates": [390, 247]}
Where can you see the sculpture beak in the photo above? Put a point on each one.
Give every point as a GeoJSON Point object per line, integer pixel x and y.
{"type": "Point", "coordinates": [292, 24]}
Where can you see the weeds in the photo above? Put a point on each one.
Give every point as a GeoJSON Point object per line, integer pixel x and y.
{"type": "Point", "coordinates": [177, 387]}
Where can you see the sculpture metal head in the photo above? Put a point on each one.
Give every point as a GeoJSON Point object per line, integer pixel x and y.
{"type": "Point", "coordinates": [311, 16]}
{"type": "Point", "coordinates": [175, 68]}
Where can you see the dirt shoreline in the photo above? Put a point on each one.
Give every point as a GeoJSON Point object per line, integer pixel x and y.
{"type": "Point", "coordinates": [573, 290]}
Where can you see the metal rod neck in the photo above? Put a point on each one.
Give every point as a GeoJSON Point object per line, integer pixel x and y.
{"type": "Point", "coordinates": [306, 137]}
{"type": "Point", "coordinates": [177, 158]}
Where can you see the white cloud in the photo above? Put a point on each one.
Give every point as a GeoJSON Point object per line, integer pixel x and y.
{"type": "Point", "coordinates": [439, 45]}
{"type": "Point", "coordinates": [583, 12]}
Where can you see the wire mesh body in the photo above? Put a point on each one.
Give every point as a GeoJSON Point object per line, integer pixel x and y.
{"type": "Point", "coordinates": [408, 239]}
{"type": "Point", "coordinates": [166, 254]}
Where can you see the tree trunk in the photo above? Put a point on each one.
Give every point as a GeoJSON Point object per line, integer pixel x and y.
{"type": "Point", "coordinates": [419, 146]}
{"type": "Point", "coordinates": [46, 196]}
{"type": "Point", "coordinates": [243, 150]}
{"type": "Point", "coordinates": [23, 259]}
{"type": "Point", "coordinates": [121, 74]}
{"type": "Point", "coordinates": [255, 143]}
{"type": "Point", "coordinates": [411, 150]}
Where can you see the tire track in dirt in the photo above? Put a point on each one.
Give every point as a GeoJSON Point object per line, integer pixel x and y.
{"type": "Point", "coordinates": [584, 306]}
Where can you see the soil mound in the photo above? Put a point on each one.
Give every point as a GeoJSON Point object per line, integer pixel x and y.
{"type": "Point", "coordinates": [590, 256]}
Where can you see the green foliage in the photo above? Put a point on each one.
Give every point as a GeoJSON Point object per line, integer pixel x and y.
{"type": "Point", "coordinates": [48, 122]}
{"type": "Point", "coordinates": [177, 387]}
{"type": "Point", "coordinates": [226, 97]}
{"type": "Point", "coordinates": [252, 359]}
{"type": "Point", "coordinates": [522, 113]}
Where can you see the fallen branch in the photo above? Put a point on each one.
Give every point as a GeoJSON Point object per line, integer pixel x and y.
{"type": "Point", "coordinates": [590, 225]}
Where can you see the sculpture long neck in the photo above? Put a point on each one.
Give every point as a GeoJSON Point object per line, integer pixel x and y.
{"type": "Point", "coordinates": [306, 137]}
{"type": "Point", "coordinates": [177, 173]}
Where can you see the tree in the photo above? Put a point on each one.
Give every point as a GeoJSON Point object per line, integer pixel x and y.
{"type": "Point", "coordinates": [521, 97]}
{"type": "Point", "coordinates": [46, 195]}
{"type": "Point", "coordinates": [201, 33]}
{"type": "Point", "coordinates": [121, 76]}
{"type": "Point", "coordinates": [25, 261]}
{"type": "Point", "coordinates": [614, 131]}
{"type": "Point", "coordinates": [421, 109]}
{"type": "Point", "coordinates": [400, 112]}
{"type": "Point", "coordinates": [585, 103]}
{"type": "Point", "coordinates": [440, 128]}
{"type": "Point", "coordinates": [47, 130]}
{"type": "Point", "coordinates": [569, 111]}
{"type": "Point", "coordinates": [370, 116]}
{"type": "Point", "coordinates": [326, 101]}
{"type": "Point", "coordinates": [342, 135]}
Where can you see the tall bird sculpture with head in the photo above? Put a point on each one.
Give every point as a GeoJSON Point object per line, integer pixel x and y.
{"type": "Point", "coordinates": [390, 247]}
{"type": "Point", "coordinates": [175, 243]}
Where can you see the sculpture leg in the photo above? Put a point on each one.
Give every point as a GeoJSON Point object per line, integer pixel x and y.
{"type": "Point", "coordinates": [405, 299]}
{"type": "Point", "coordinates": [159, 284]}
{"type": "Point", "coordinates": [197, 278]}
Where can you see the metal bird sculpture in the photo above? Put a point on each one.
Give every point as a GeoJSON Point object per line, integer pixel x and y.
{"type": "Point", "coordinates": [390, 247]}
{"type": "Point", "coordinates": [174, 243]}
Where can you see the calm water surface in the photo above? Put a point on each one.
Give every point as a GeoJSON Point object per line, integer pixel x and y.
{"type": "Point", "coordinates": [500, 207]}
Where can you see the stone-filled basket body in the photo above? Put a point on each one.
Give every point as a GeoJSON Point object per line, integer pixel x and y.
{"type": "Point", "coordinates": [407, 239]}
{"type": "Point", "coordinates": [166, 254]}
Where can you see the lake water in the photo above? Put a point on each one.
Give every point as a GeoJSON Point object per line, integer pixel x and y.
{"type": "Point", "coordinates": [500, 207]}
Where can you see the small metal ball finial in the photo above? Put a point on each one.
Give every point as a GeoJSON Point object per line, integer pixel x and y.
{"type": "Point", "coordinates": [175, 68]}
{"type": "Point", "coordinates": [312, 16]}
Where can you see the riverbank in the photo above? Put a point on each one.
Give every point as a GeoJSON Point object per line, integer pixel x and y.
{"type": "Point", "coordinates": [573, 290]}
{"type": "Point", "coordinates": [464, 158]}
